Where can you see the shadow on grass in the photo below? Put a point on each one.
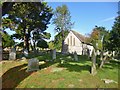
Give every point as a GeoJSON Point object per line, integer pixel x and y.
{"type": "Point", "coordinates": [112, 64]}
{"type": "Point", "coordinates": [46, 64]}
{"type": "Point", "coordinates": [75, 67]}
{"type": "Point", "coordinates": [14, 76]}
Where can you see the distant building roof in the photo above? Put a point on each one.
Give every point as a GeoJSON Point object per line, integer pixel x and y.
{"type": "Point", "coordinates": [79, 36]}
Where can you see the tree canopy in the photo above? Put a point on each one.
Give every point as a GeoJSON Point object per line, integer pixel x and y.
{"type": "Point", "coordinates": [7, 40]}
{"type": "Point", "coordinates": [115, 36]}
{"type": "Point", "coordinates": [25, 17]}
{"type": "Point", "coordinates": [62, 21]}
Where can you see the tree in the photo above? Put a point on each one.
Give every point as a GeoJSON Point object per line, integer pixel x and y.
{"type": "Point", "coordinates": [42, 44]}
{"type": "Point", "coordinates": [62, 21]}
{"type": "Point", "coordinates": [94, 37]}
{"type": "Point", "coordinates": [25, 17]}
{"type": "Point", "coordinates": [38, 37]}
{"type": "Point", "coordinates": [51, 45]}
{"type": "Point", "coordinates": [115, 36]}
{"type": "Point", "coordinates": [58, 40]}
{"type": "Point", "coordinates": [7, 40]}
{"type": "Point", "coordinates": [99, 39]}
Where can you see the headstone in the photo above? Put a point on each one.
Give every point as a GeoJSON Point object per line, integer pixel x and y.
{"type": "Point", "coordinates": [12, 54]}
{"type": "Point", "coordinates": [75, 56]}
{"type": "Point", "coordinates": [54, 54]}
{"type": "Point", "coordinates": [26, 52]}
{"type": "Point", "coordinates": [33, 65]}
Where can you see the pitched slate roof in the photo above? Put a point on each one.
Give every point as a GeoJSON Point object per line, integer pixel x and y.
{"type": "Point", "coordinates": [79, 36]}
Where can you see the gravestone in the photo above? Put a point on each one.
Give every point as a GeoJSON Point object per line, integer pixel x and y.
{"type": "Point", "coordinates": [12, 54]}
{"type": "Point", "coordinates": [26, 52]}
{"type": "Point", "coordinates": [54, 54]}
{"type": "Point", "coordinates": [33, 65]}
{"type": "Point", "coordinates": [75, 56]}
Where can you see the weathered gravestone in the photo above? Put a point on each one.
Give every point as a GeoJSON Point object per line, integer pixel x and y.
{"type": "Point", "coordinates": [33, 65]}
{"type": "Point", "coordinates": [12, 54]}
{"type": "Point", "coordinates": [54, 54]}
{"type": "Point", "coordinates": [26, 52]}
{"type": "Point", "coordinates": [75, 56]}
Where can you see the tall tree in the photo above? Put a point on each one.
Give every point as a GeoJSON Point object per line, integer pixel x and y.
{"type": "Point", "coordinates": [62, 21]}
{"type": "Point", "coordinates": [102, 40]}
{"type": "Point", "coordinates": [115, 36]}
{"type": "Point", "coordinates": [27, 16]}
{"type": "Point", "coordinates": [99, 39]}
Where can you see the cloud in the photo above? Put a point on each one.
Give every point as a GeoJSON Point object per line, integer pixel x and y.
{"type": "Point", "coordinates": [108, 19]}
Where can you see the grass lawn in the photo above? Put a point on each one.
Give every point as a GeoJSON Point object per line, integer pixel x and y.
{"type": "Point", "coordinates": [69, 74]}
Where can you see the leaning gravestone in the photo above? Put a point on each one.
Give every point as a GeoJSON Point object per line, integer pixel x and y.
{"type": "Point", "coordinates": [33, 65]}
{"type": "Point", "coordinates": [75, 56]}
{"type": "Point", "coordinates": [26, 52]}
{"type": "Point", "coordinates": [12, 54]}
{"type": "Point", "coordinates": [54, 54]}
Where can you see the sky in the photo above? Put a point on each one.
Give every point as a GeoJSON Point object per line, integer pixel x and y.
{"type": "Point", "coordinates": [87, 14]}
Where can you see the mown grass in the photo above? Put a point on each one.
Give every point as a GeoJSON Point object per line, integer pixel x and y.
{"type": "Point", "coordinates": [75, 74]}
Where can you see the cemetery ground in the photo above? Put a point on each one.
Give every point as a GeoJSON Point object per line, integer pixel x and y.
{"type": "Point", "coordinates": [63, 72]}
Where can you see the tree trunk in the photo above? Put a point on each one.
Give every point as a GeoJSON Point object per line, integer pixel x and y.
{"type": "Point", "coordinates": [101, 55]}
{"type": "Point", "coordinates": [62, 50]}
{"type": "Point", "coordinates": [93, 67]}
{"type": "Point", "coordinates": [34, 48]}
{"type": "Point", "coordinates": [103, 61]}
{"type": "Point", "coordinates": [26, 39]}
{"type": "Point", "coordinates": [0, 47]}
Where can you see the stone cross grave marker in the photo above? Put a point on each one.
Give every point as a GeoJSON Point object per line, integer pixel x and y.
{"type": "Point", "coordinates": [12, 54]}
{"type": "Point", "coordinates": [33, 65]}
{"type": "Point", "coordinates": [75, 56]}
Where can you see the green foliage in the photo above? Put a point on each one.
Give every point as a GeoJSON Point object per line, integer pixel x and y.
{"type": "Point", "coordinates": [62, 22]}
{"type": "Point", "coordinates": [46, 35]}
{"type": "Point", "coordinates": [42, 44]}
{"type": "Point", "coordinates": [25, 17]}
{"type": "Point", "coordinates": [51, 45]}
{"type": "Point", "coordinates": [21, 44]}
{"type": "Point", "coordinates": [58, 39]}
{"type": "Point", "coordinates": [99, 37]}
{"type": "Point", "coordinates": [100, 45]}
{"type": "Point", "coordinates": [7, 40]}
{"type": "Point", "coordinates": [62, 18]}
{"type": "Point", "coordinates": [115, 35]}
